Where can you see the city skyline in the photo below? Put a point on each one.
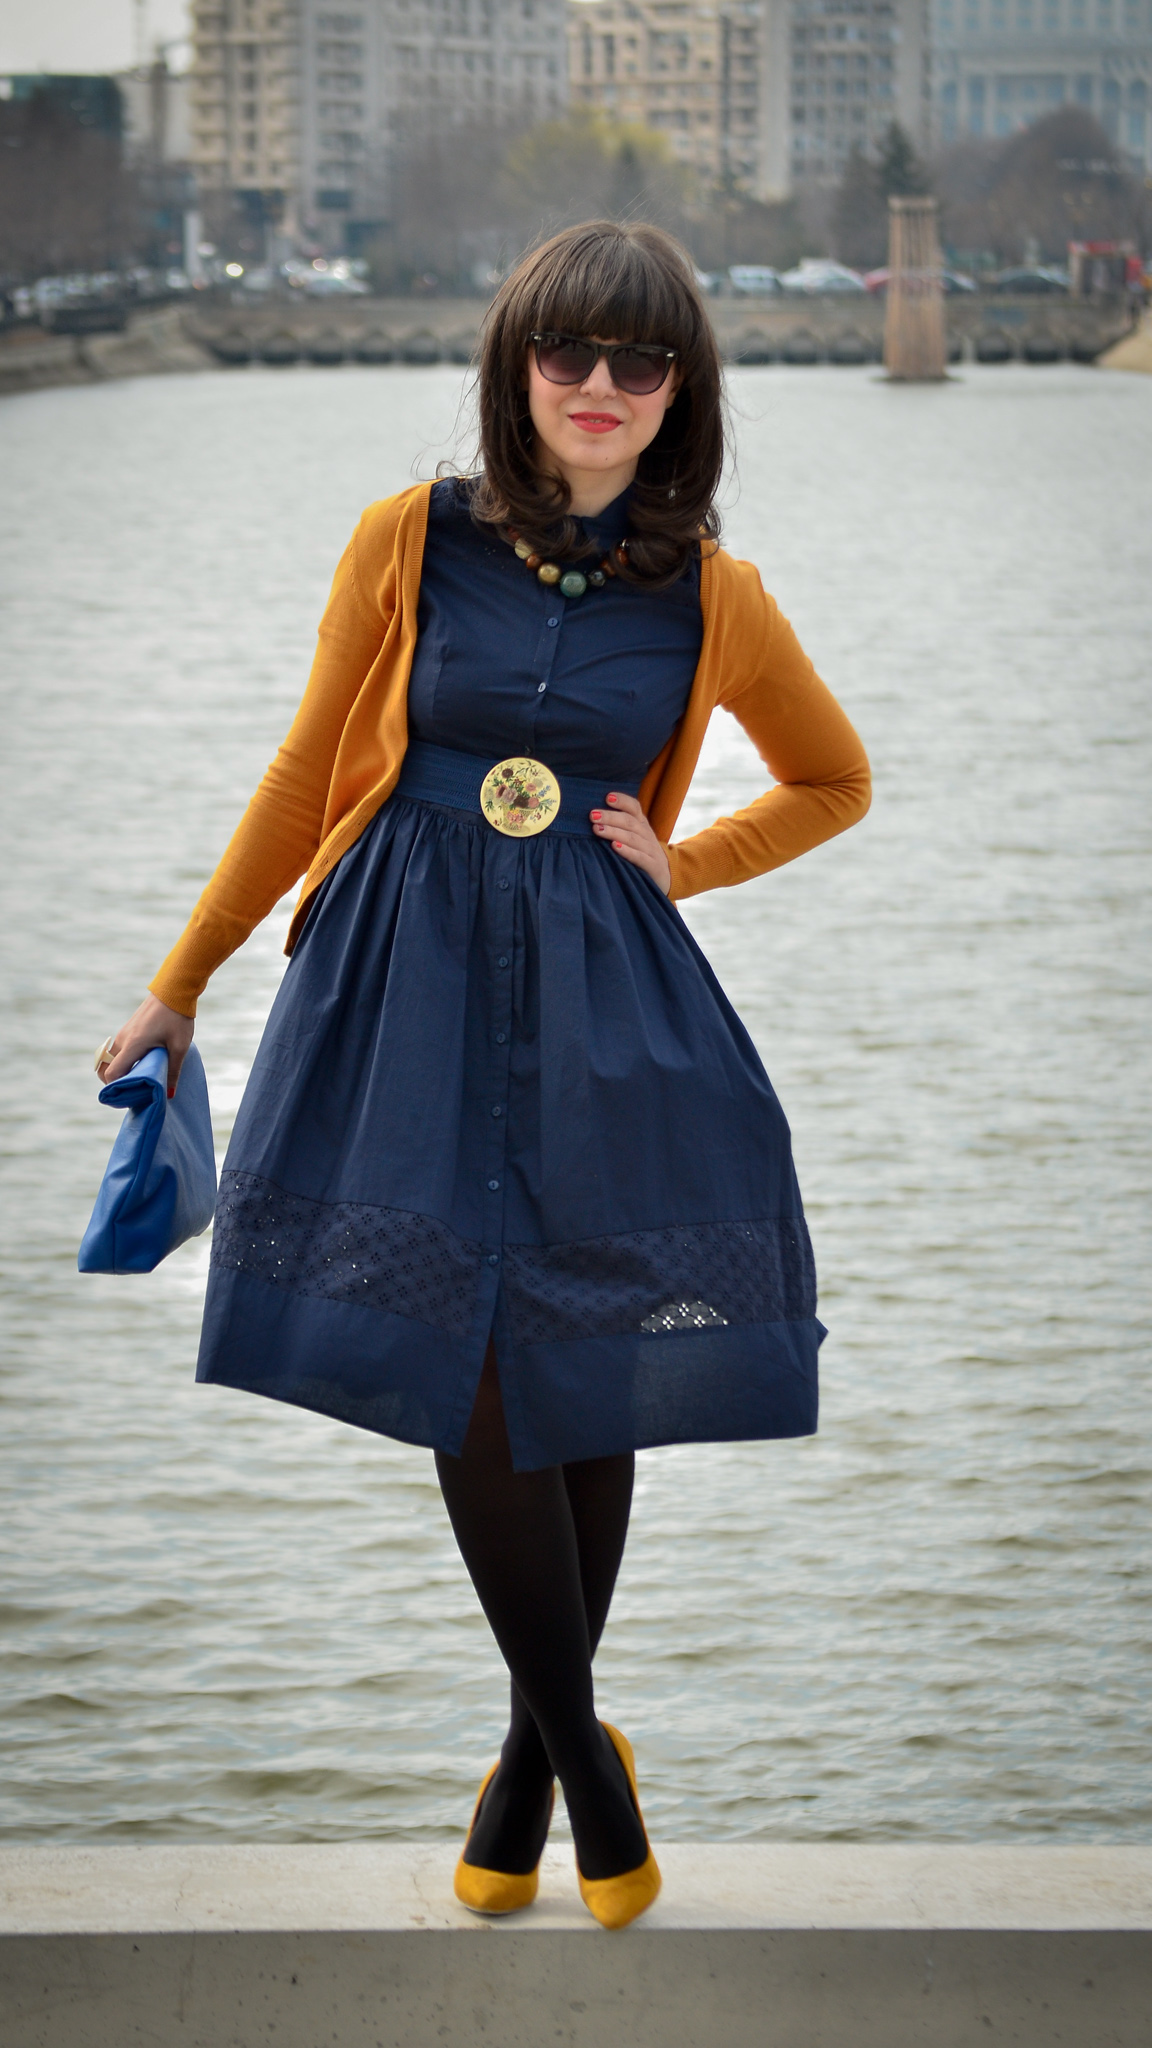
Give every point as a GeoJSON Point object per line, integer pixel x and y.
{"type": "Point", "coordinates": [301, 111]}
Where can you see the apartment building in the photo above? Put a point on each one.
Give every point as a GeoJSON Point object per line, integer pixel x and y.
{"type": "Point", "coordinates": [297, 105]}
{"type": "Point", "coordinates": [245, 81]}
{"type": "Point", "coordinates": [1000, 64]}
{"type": "Point", "coordinates": [836, 74]}
{"type": "Point", "coordinates": [476, 60]}
{"type": "Point", "coordinates": [688, 68]}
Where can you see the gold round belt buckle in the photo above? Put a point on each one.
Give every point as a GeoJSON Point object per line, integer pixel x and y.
{"type": "Point", "coordinates": [520, 797]}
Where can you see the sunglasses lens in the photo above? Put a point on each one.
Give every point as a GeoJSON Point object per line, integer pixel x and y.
{"type": "Point", "coordinates": [564, 361]}
{"type": "Point", "coordinates": [639, 370]}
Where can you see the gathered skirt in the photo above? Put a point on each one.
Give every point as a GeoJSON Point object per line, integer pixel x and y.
{"type": "Point", "coordinates": [502, 1096]}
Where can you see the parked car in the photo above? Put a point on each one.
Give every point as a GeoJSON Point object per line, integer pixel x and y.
{"type": "Point", "coordinates": [324, 285]}
{"type": "Point", "coordinates": [753, 280]}
{"type": "Point", "coordinates": [1035, 278]}
{"type": "Point", "coordinates": [324, 280]}
{"type": "Point", "coordinates": [85, 302]}
{"type": "Point", "coordinates": [820, 274]}
{"type": "Point", "coordinates": [952, 281]}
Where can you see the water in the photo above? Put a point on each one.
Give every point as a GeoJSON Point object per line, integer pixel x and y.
{"type": "Point", "coordinates": [222, 1618]}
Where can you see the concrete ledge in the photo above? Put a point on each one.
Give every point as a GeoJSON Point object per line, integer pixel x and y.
{"type": "Point", "coordinates": [796, 1946]}
{"type": "Point", "coordinates": [152, 343]}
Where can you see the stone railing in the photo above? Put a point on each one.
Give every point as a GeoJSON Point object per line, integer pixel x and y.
{"type": "Point", "coordinates": [838, 329]}
{"type": "Point", "coordinates": [847, 330]}
{"type": "Point", "coordinates": [749, 1946]}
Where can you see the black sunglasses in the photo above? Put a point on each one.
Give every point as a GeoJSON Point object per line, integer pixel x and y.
{"type": "Point", "coordinates": [637, 367]}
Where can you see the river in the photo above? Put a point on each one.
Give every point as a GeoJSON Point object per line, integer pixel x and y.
{"type": "Point", "coordinates": [221, 1618]}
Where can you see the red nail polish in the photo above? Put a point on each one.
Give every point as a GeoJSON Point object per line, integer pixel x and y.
{"type": "Point", "coordinates": [596, 816]}
{"type": "Point", "coordinates": [171, 1093]}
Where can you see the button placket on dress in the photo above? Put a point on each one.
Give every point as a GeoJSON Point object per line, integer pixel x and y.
{"type": "Point", "coordinates": [544, 659]}
{"type": "Point", "coordinates": [500, 877]}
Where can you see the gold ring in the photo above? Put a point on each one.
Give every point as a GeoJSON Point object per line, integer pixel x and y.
{"type": "Point", "coordinates": [520, 797]}
{"type": "Point", "coordinates": [104, 1054]}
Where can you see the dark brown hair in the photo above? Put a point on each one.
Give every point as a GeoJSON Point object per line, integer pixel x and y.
{"type": "Point", "coordinates": [623, 283]}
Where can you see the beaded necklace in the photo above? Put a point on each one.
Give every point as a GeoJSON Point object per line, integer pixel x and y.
{"type": "Point", "coordinates": [572, 582]}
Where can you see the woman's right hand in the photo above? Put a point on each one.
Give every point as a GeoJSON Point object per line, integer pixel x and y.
{"type": "Point", "coordinates": [152, 1024]}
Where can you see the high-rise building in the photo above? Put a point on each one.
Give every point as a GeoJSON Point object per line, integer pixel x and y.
{"type": "Point", "coordinates": [688, 68]}
{"type": "Point", "coordinates": [246, 87]}
{"type": "Point", "coordinates": [91, 101]}
{"type": "Point", "coordinates": [298, 105]}
{"type": "Point", "coordinates": [1000, 64]}
{"type": "Point", "coordinates": [836, 74]}
{"type": "Point", "coordinates": [769, 93]}
{"type": "Point", "coordinates": [503, 61]}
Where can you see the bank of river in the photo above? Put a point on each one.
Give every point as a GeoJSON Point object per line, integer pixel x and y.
{"type": "Point", "coordinates": [795, 330]}
{"type": "Point", "coordinates": [152, 344]}
{"type": "Point", "coordinates": [222, 1618]}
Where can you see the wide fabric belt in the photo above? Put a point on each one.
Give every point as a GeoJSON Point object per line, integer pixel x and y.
{"type": "Point", "coordinates": [517, 796]}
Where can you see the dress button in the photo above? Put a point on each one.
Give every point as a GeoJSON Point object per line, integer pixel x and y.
{"type": "Point", "coordinates": [553, 622]}
{"type": "Point", "coordinates": [540, 687]}
{"type": "Point", "coordinates": [497, 1111]}
{"type": "Point", "coordinates": [493, 1258]}
{"type": "Point", "coordinates": [501, 1038]}
{"type": "Point", "coordinates": [503, 885]}
{"type": "Point", "coordinates": [503, 960]}
{"type": "Point", "coordinates": [493, 1185]}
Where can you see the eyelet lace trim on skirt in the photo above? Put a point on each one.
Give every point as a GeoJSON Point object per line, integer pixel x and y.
{"type": "Point", "coordinates": [408, 1265]}
{"type": "Point", "coordinates": [683, 1277]}
{"type": "Point", "coordinates": [663, 1282]}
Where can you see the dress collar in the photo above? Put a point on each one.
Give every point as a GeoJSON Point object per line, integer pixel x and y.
{"type": "Point", "coordinates": [610, 525]}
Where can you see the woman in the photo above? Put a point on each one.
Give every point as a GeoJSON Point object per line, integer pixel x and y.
{"type": "Point", "coordinates": [509, 1179]}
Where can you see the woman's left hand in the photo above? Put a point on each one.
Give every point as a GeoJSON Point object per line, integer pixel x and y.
{"type": "Point", "coordinates": [632, 837]}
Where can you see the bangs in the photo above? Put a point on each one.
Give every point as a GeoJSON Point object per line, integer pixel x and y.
{"type": "Point", "coordinates": [611, 285]}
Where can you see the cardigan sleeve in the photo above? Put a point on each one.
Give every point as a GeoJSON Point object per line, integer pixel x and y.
{"type": "Point", "coordinates": [281, 830]}
{"type": "Point", "coordinates": [822, 780]}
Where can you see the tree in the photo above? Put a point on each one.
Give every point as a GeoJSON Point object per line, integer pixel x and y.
{"type": "Point", "coordinates": [899, 171]}
{"type": "Point", "coordinates": [445, 206]}
{"type": "Point", "coordinates": [860, 214]}
{"type": "Point", "coordinates": [1058, 181]}
{"type": "Point", "coordinates": [963, 176]}
{"type": "Point", "coordinates": [467, 199]}
{"type": "Point", "coordinates": [860, 207]}
{"type": "Point", "coordinates": [589, 165]}
{"type": "Point", "coordinates": [724, 226]}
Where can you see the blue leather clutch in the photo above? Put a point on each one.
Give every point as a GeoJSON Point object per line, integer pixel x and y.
{"type": "Point", "coordinates": [159, 1185]}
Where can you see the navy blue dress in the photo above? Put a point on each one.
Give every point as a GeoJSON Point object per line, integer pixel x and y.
{"type": "Point", "coordinates": [501, 1093]}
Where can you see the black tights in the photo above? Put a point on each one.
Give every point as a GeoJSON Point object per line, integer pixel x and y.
{"type": "Point", "coordinates": [543, 1550]}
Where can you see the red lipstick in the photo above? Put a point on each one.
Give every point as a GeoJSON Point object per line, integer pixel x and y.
{"type": "Point", "coordinates": [594, 422]}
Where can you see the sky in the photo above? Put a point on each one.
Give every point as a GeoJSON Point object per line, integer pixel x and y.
{"type": "Point", "coordinates": [85, 35]}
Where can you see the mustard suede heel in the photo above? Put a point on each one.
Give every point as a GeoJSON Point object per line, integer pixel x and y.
{"type": "Point", "coordinates": [614, 1901]}
{"type": "Point", "coordinates": [493, 1891]}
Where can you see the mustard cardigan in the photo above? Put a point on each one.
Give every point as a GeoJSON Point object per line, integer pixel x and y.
{"type": "Point", "coordinates": [342, 757]}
